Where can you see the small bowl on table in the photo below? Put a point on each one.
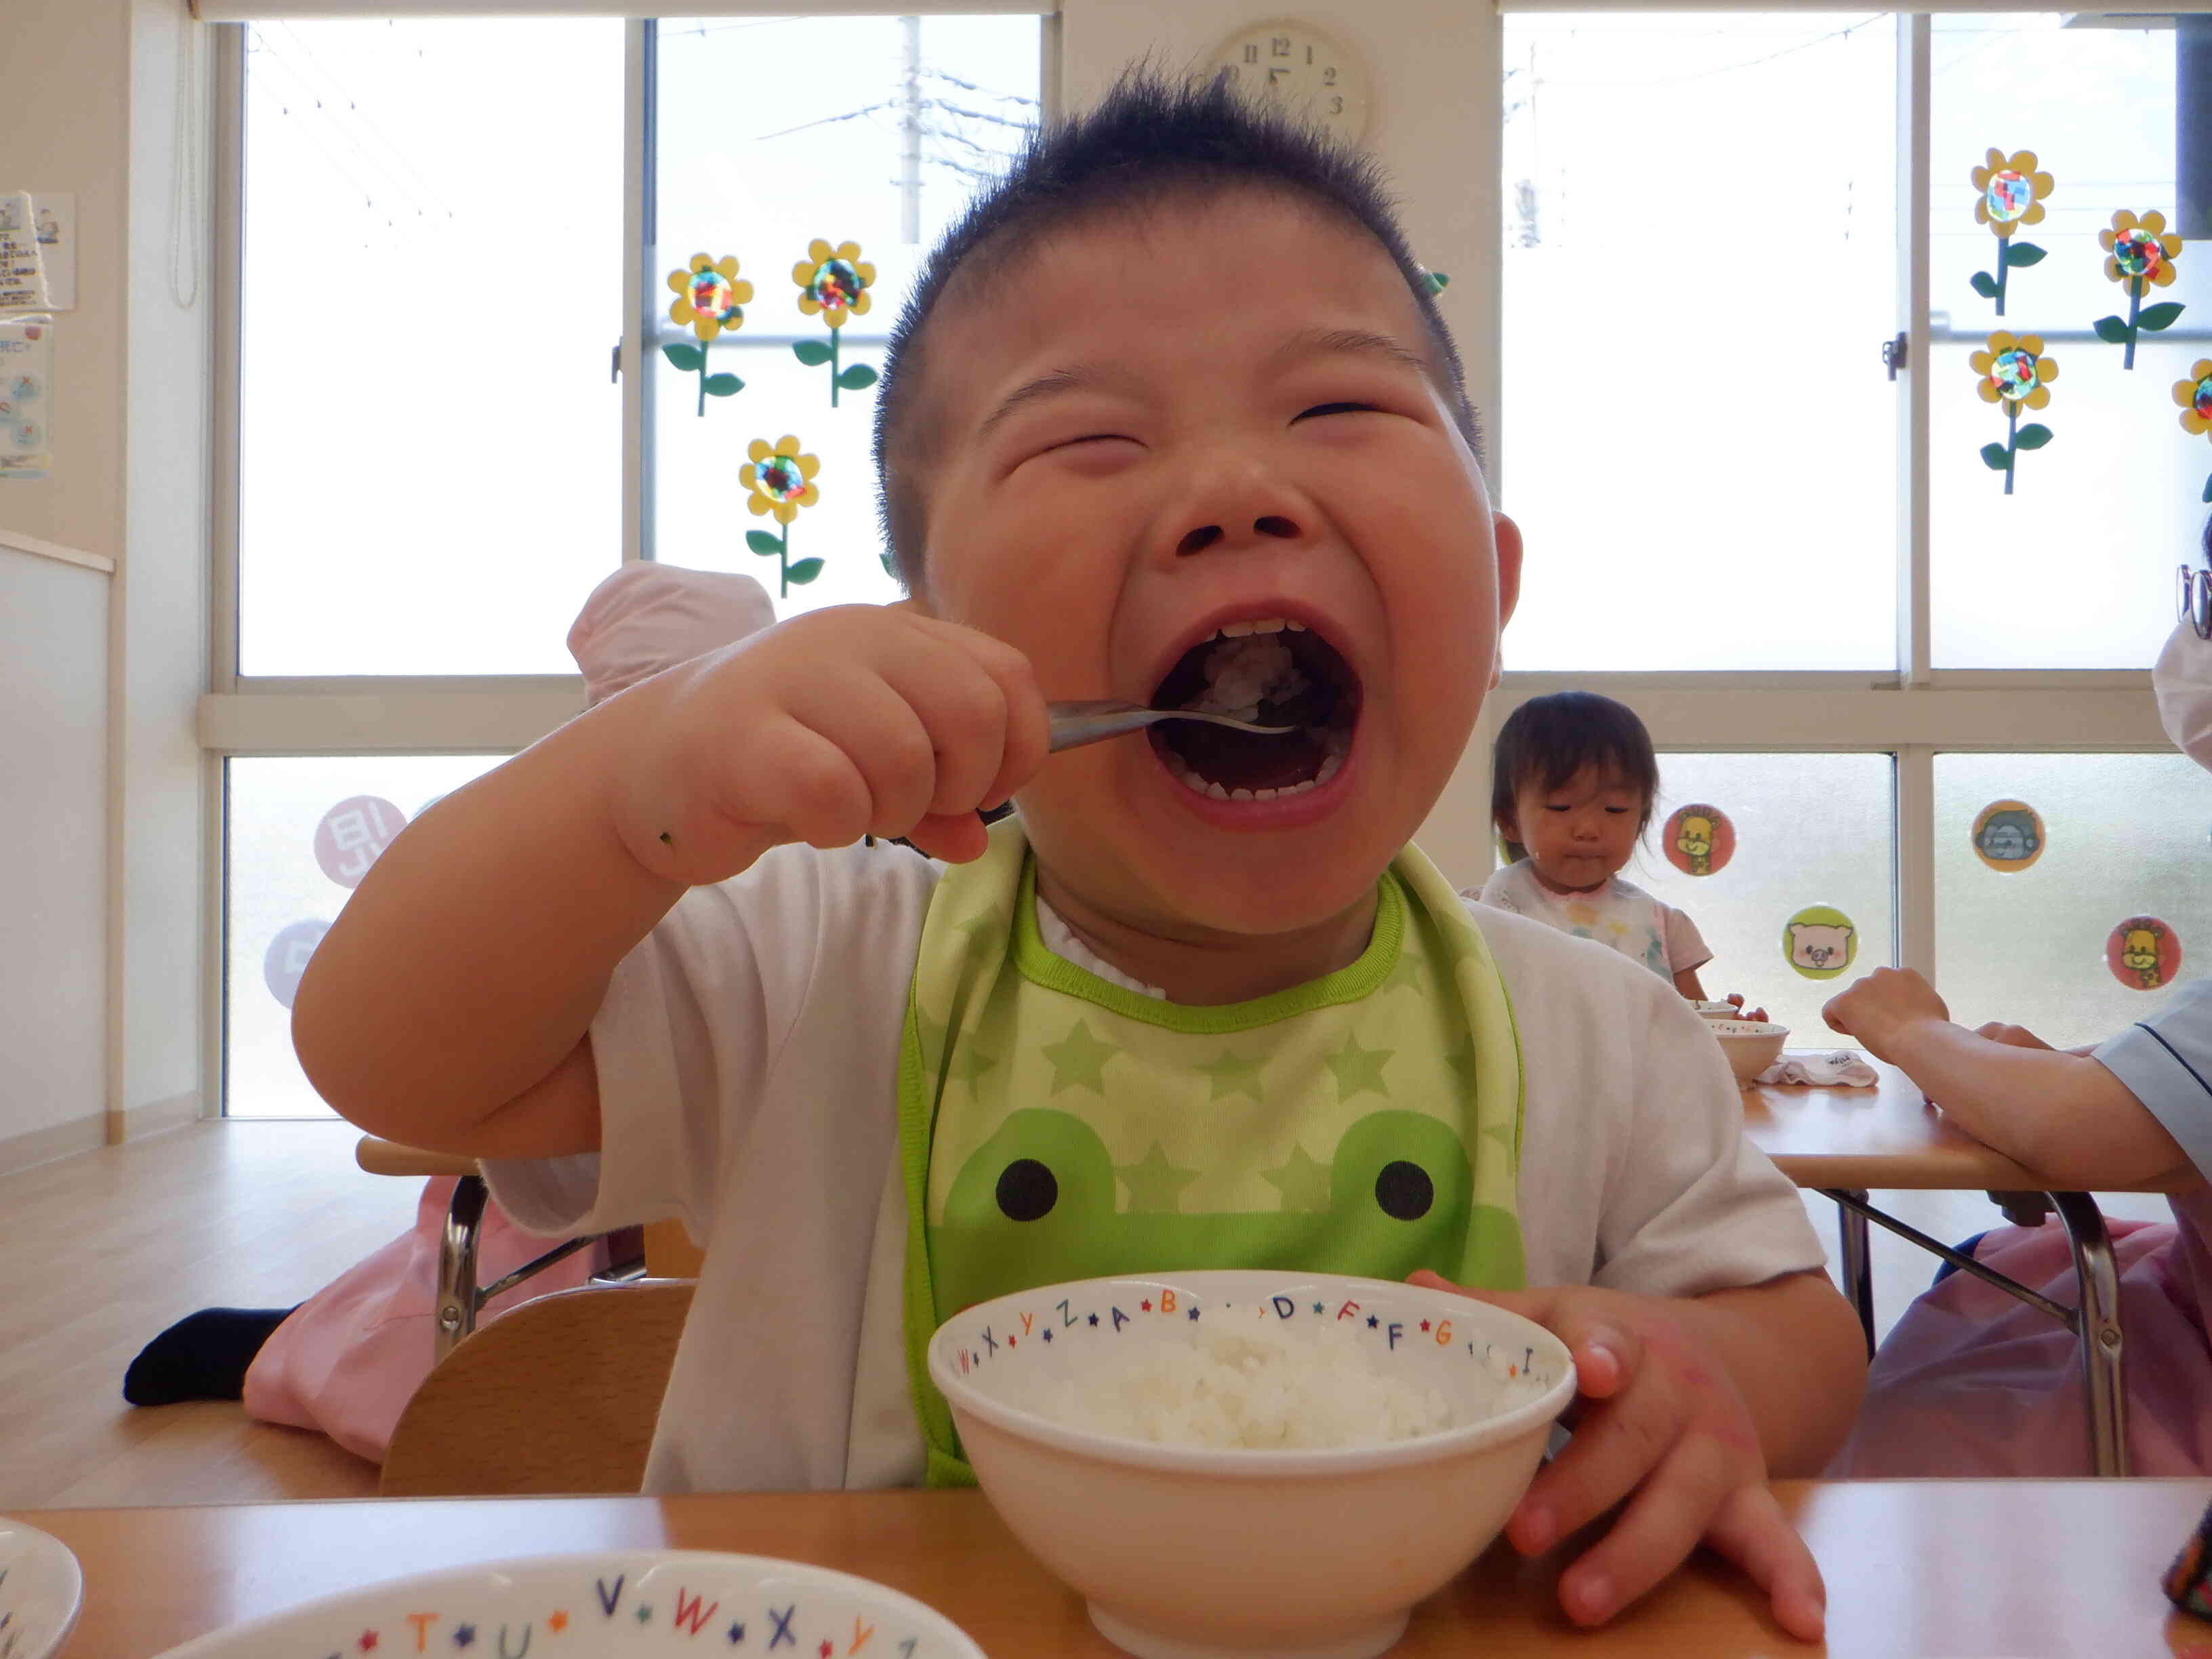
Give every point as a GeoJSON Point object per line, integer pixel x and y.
{"type": "Point", "coordinates": [1195, 1552]}
{"type": "Point", "coordinates": [1750, 1045]}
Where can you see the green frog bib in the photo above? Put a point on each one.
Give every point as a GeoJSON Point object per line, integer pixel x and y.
{"type": "Point", "coordinates": [1055, 1126]}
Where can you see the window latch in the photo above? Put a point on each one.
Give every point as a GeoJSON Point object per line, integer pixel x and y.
{"type": "Point", "coordinates": [1892, 354]}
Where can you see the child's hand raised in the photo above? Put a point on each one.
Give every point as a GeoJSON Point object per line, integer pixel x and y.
{"type": "Point", "coordinates": [1657, 1424]}
{"type": "Point", "coordinates": [861, 719]}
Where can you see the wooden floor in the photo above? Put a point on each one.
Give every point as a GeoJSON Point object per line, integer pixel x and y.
{"type": "Point", "coordinates": [99, 1252]}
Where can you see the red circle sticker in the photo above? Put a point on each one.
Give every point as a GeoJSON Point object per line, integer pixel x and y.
{"type": "Point", "coordinates": [2143, 953]}
{"type": "Point", "coordinates": [353, 835]}
{"type": "Point", "coordinates": [1699, 839]}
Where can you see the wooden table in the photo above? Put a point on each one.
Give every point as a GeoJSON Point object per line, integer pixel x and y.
{"type": "Point", "coordinates": [1847, 1142]}
{"type": "Point", "coordinates": [1913, 1568]}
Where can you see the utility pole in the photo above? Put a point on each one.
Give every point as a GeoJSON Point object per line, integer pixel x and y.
{"type": "Point", "coordinates": [910, 133]}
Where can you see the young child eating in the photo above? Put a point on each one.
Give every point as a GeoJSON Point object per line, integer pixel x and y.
{"type": "Point", "coordinates": [1572, 781]}
{"type": "Point", "coordinates": [1197, 1002]}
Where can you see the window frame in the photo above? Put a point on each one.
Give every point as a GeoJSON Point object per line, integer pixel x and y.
{"type": "Point", "coordinates": [1910, 713]}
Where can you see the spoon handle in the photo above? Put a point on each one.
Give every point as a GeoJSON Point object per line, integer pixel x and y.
{"type": "Point", "coordinates": [1074, 724]}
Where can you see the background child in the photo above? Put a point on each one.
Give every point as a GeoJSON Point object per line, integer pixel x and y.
{"type": "Point", "coordinates": [1573, 783]}
{"type": "Point", "coordinates": [646, 970]}
{"type": "Point", "coordinates": [1971, 1381]}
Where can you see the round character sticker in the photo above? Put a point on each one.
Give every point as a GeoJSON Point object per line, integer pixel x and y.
{"type": "Point", "coordinates": [2008, 835]}
{"type": "Point", "coordinates": [2143, 953]}
{"type": "Point", "coordinates": [1698, 839]}
{"type": "Point", "coordinates": [1820, 941]}
{"type": "Point", "coordinates": [286, 959]}
{"type": "Point", "coordinates": [352, 835]}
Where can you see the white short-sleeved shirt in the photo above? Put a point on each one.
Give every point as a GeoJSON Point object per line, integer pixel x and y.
{"type": "Point", "coordinates": [1620, 914]}
{"type": "Point", "coordinates": [2166, 1061]}
{"type": "Point", "coordinates": [747, 1057]}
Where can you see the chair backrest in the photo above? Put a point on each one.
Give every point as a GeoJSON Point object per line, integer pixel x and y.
{"type": "Point", "coordinates": [558, 1395]}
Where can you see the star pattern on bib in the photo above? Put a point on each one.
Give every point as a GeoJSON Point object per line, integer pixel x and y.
{"type": "Point", "coordinates": [1078, 1059]}
{"type": "Point", "coordinates": [1409, 970]}
{"type": "Point", "coordinates": [1358, 1071]}
{"type": "Point", "coordinates": [1462, 1061]}
{"type": "Point", "coordinates": [1234, 1074]}
{"type": "Point", "coordinates": [1155, 1185]}
{"type": "Point", "coordinates": [1303, 1182]}
{"type": "Point", "coordinates": [967, 1065]}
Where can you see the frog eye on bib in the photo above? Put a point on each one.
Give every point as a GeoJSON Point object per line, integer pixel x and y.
{"type": "Point", "coordinates": [1403, 1191]}
{"type": "Point", "coordinates": [1027, 1190]}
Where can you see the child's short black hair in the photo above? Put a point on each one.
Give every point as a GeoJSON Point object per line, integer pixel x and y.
{"type": "Point", "coordinates": [1547, 740]}
{"type": "Point", "coordinates": [1149, 139]}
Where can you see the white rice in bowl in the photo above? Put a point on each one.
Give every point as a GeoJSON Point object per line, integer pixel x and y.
{"type": "Point", "coordinates": [1269, 1388]}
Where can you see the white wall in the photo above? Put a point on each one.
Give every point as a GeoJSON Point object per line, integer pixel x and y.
{"type": "Point", "coordinates": [1426, 60]}
{"type": "Point", "coordinates": [99, 993]}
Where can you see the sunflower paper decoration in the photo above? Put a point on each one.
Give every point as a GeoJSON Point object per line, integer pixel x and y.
{"type": "Point", "coordinates": [2140, 254]}
{"type": "Point", "coordinates": [2014, 374]}
{"type": "Point", "coordinates": [2195, 397]}
{"type": "Point", "coordinates": [710, 297]}
{"type": "Point", "coordinates": [2012, 192]}
{"type": "Point", "coordinates": [833, 285]}
{"type": "Point", "coordinates": [779, 481]}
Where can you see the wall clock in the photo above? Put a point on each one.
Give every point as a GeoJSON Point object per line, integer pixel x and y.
{"type": "Point", "coordinates": [1304, 68]}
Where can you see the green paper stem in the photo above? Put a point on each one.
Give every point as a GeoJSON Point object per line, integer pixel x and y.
{"type": "Point", "coordinates": [2012, 429]}
{"type": "Point", "coordinates": [703, 376]}
{"type": "Point", "coordinates": [783, 560]}
{"type": "Point", "coordinates": [834, 333]}
{"type": "Point", "coordinates": [2135, 310]}
{"type": "Point", "coordinates": [2005, 248]}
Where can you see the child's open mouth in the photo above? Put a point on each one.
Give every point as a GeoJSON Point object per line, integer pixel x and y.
{"type": "Point", "coordinates": [1277, 673]}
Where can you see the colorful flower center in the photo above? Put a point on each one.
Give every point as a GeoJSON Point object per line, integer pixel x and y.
{"type": "Point", "coordinates": [2202, 398]}
{"type": "Point", "coordinates": [836, 284]}
{"type": "Point", "coordinates": [710, 295]}
{"type": "Point", "coordinates": [2014, 373]}
{"type": "Point", "coordinates": [2137, 253]}
{"type": "Point", "coordinates": [779, 478]}
{"type": "Point", "coordinates": [2009, 195]}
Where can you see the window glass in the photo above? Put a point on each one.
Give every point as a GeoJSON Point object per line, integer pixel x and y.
{"type": "Point", "coordinates": [2120, 838]}
{"type": "Point", "coordinates": [1805, 833]}
{"type": "Point", "coordinates": [2074, 568]}
{"type": "Point", "coordinates": [775, 134]}
{"type": "Point", "coordinates": [1699, 268]}
{"type": "Point", "coordinates": [300, 832]}
{"type": "Point", "coordinates": [430, 441]}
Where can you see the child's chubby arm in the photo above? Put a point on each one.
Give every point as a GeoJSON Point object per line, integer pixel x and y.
{"type": "Point", "coordinates": [1684, 1407]}
{"type": "Point", "coordinates": [448, 1006]}
{"type": "Point", "coordinates": [2062, 1114]}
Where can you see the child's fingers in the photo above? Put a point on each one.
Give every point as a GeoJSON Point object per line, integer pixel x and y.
{"type": "Point", "coordinates": [1605, 1351]}
{"type": "Point", "coordinates": [1025, 735]}
{"type": "Point", "coordinates": [1753, 1532]}
{"type": "Point", "coordinates": [1661, 1525]}
{"type": "Point", "coordinates": [958, 838]}
{"type": "Point", "coordinates": [888, 741]}
{"type": "Point", "coordinates": [1615, 1446]}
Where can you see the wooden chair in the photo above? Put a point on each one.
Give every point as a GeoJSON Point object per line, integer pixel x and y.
{"type": "Point", "coordinates": [669, 1251]}
{"type": "Point", "coordinates": [560, 1395]}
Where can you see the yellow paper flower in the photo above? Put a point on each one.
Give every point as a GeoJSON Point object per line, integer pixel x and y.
{"type": "Point", "coordinates": [833, 281]}
{"type": "Point", "coordinates": [709, 296]}
{"type": "Point", "coordinates": [2012, 191]}
{"type": "Point", "coordinates": [2014, 371]}
{"type": "Point", "coordinates": [2195, 397]}
{"type": "Point", "coordinates": [2140, 249]}
{"type": "Point", "coordinates": [781, 479]}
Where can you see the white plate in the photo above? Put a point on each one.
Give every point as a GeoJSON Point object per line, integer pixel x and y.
{"type": "Point", "coordinates": [40, 1590]}
{"type": "Point", "coordinates": [639, 1604]}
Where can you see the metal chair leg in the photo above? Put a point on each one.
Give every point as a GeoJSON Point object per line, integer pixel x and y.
{"type": "Point", "coordinates": [2100, 1331]}
{"type": "Point", "coordinates": [1859, 1263]}
{"type": "Point", "coordinates": [457, 1266]}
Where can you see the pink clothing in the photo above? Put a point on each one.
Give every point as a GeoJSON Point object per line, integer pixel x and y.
{"type": "Point", "coordinates": [1971, 1383]}
{"type": "Point", "coordinates": [351, 1357]}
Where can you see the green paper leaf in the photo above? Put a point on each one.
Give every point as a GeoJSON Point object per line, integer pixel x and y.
{"type": "Point", "coordinates": [689, 358]}
{"type": "Point", "coordinates": [1438, 281]}
{"type": "Point", "coordinates": [1984, 284]}
{"type": "Point", "coordinates": [762, 542]}
{"type": "Point", "coordinates": [856, 377]}
{"type": "Point", "coordinates": [812, 353]}
{"type": "Point", "coordinates": [2158, 317]}
{"type": "Point", "coordinates": [2111, 330]}
{"type": "Point", "coordinates": [2031, 436]}
{"type": "Point", "coordinates": [2024, 254]}
{"type": "Point", "coordinates": [1995, 457]}
{"type": "Point", "coordinates": [890, 566]}
{"type": "Point", "coordinates": [803, 571]}
{"type": "Point", "coordinates": [724, 385]}
{"type": "Point", "coordinates": [2207, 495]}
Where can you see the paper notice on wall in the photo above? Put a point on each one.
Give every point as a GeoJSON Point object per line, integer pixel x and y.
{"type": "Point", "coordinates": [27, 396]}
{"type": "Point", "coordinates": [54, 215]}
{"type": "Point", "coordinates": [22, 273]}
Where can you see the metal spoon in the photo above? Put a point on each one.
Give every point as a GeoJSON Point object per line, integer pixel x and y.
{"type": "Point", "coordinates": [1074, 724]}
